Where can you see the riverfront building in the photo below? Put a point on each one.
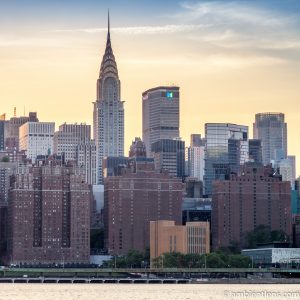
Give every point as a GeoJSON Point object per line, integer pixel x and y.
{"type": "Point", "coordinates": [49, 215]}
{"type": "Point", "coordinates": [166, 237]}
{"type": "Point", "coordinates": [243, 202]}
{"type": "Point", "coordinates": [137, 195]}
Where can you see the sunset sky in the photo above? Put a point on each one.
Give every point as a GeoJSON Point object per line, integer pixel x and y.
{"type": "Point", "coordinates": [231, 59]}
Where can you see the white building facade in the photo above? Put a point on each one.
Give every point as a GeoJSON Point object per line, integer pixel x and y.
{"type": "Point", "coordinates": [36, 138]}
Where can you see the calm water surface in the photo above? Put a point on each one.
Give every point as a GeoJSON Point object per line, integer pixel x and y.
{"type": "Point", "coordinates": [146, 292]}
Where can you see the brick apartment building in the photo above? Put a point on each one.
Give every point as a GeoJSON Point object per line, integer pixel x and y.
{"type": "Point", "coordinates": [248, 200]}
{"type": "Point", "coordinates": [138, 195]}
{"type": "Point", "coordinates": [49, 215]}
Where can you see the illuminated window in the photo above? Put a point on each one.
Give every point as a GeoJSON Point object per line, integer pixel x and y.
{"type": "Point", "coordinates": [169, 94]}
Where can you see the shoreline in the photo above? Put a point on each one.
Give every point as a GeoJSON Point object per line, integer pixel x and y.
{"type": "Point", "coordinates": [121, 281]}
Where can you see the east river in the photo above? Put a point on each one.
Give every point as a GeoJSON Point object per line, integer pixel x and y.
{"type": "Point", "coordinates": [19, 291]}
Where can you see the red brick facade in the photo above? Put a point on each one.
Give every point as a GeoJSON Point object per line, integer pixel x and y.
{"type": "Point", "coordinates": [254, 198]}
{"type": "Point", "coordinates": [135, 198]}
{"type": "Point", "coordinates": [49, 216]}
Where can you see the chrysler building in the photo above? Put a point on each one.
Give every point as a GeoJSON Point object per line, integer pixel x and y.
{"type": "Point", "coordinates": [108, 110]}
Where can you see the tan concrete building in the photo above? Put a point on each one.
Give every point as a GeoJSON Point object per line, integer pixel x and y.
{"type": "Point", "coordinates": [166, 237]}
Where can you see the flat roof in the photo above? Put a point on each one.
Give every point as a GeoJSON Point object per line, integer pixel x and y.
{"type": "Point", "coordinates": [161, 88]}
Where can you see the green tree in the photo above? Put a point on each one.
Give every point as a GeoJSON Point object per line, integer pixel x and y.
{"type": "Point", "coordinates": [193, 260]}
{"type": "Point", "coordinates": [133, 259]}
{"type": "Point", "coordinates": [262, 234]}
{"type": "Point", "coordinates": [279, 236]}
{"type": "Point", "coordinates": [239, 261]}
{"type": "Point", "coordinates": [215, 260]}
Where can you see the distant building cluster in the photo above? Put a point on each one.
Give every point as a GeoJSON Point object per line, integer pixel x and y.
{"type": "Point", "coordinates": [56, 186]}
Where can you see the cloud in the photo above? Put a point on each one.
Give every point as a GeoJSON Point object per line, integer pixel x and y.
{"type": "Point", "coordinates": [230, 12]}
{"type": "Point", "coordinates": [241, 25]}
{"type": "Point", "coordinates": [221, 61]}
{"type": "Point", "coordinates": [173, 28]}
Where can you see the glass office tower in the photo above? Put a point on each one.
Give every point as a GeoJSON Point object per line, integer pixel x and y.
{"type": "Point", "coordinates": [226, 149]}
{"type": "Point", "coordinates": [271, 129]}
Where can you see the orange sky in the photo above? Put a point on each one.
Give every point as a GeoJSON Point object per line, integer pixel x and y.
{"type": "Point", "coordinates": [223, 75]}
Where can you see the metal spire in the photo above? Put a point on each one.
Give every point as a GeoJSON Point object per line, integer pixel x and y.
{"type": "Point", "coordinates": [108, 26]}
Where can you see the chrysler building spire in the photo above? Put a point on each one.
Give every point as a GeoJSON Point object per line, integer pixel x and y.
{"type": "Point", "coordinates": [108, 27]}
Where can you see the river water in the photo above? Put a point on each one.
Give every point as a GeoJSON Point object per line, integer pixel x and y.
{"type": "Point", "coordinates": [10, 291]}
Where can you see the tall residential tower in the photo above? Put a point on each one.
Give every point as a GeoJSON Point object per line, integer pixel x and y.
{"type": "Point", "coordinates": [108, 110]}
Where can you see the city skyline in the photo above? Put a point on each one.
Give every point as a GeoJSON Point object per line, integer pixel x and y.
{"type": "Point", "coordinates": [204, 47]}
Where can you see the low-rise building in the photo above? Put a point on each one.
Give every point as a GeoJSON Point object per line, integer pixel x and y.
{"type": "Point", "coordinates": [271, 256]}
{"type": "Point", "coordinates": [166, 237]}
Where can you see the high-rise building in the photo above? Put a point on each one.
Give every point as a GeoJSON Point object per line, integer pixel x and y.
{"type": "Point", "coordinates": [3, 233]}
{"type": "Point", "coordinates": [195, 157]}
{"type": "Point", "coordinates": [113, 164]}
{"type": "Point", "coordinates": [135, 197]}
{"type": "Point", "coordinates": [68, 137]}
{"type": "Point", "coordinates": [169, 155]}
{"type": "Point", "coordinates": [108, 110]}
{"type": "Point", "coordinates": [196, 140]}
{"type": "Point", "coordinates": [255, 151]}
{"type": "Point", "coordinates": [226, 149]}
{"type": "Point", "coordinates": [49, 215]}
{"type": "Point", "coordinates": [73, 141]}
{"type": "Point", "coordinates": [287, 169]}
{"type": "Point", "coordinates": [86, 158]}
{"type": "Point", "coordinates": [7, 169]}
{"type": "Point", "coordinates": [36, 138]}
{"type": "Point", "coordinates": [271, 129]}
{"type": "Point", "coordinates": [166, 237]}
{"type": "Point", "coordinates": [160, 115]}
{"type": "Point", "coordinates": [12, 130]}
{"type": "Point", "coordinates": [2, 134]}
{"type": "Point", "coordinates": [243, 202]}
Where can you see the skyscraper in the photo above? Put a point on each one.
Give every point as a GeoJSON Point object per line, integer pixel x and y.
{"type": "Point", "coordinates": [226, 149]}
{"type": "Point", "coordinates": [169, 155]}
{"type": "Point", "coordinates": [108, 110]}
{"type": "Point", "coordinates": [86, 159]}
{"type": "Point", "coordinates": [255, 151]}
{"type": "Point", "coordinates": [271, 129]}
{"type": "Point", "coordinates": [68, 137]}
{"type": "Point", "coordinates": [36, 138]}
{"type": "Point", "coordinates": [195, 157]}
{"type": "Point", "coordinates": [12, 129]}
{"type": "Point", "coordinates": [2, 134]}
{"type": "Point", "coordinates": [287, 169]}
{"type": "Point", "coordinates": [160, 115]}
